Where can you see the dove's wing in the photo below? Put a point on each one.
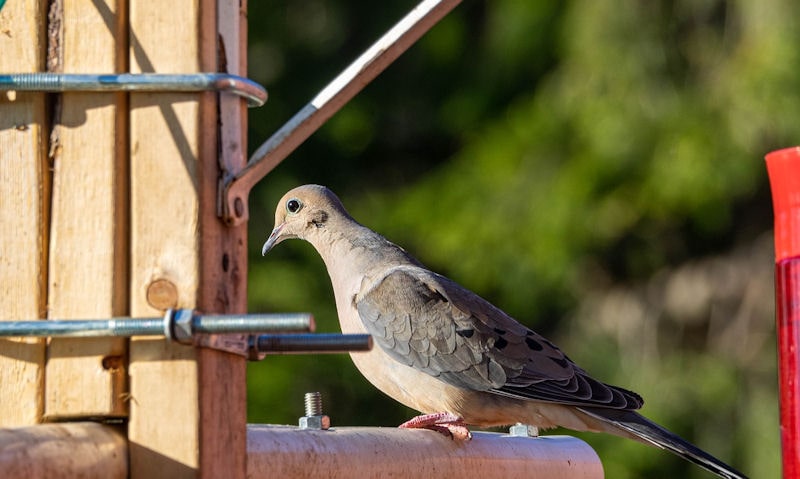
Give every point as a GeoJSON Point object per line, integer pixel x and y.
{"type": "Point", "coordinates": [431, 323]}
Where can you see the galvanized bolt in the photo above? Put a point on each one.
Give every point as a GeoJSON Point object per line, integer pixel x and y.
{"type": "Point", "coordinates": [523, 430]}
{"type": "Point", "coordinates": [314, 419]}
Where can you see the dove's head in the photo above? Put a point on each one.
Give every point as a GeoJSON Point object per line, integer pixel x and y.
{"type": "Point", "coordinates": [303, 212]}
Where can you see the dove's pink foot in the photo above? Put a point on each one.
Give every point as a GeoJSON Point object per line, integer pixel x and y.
{"type": "Point", "coordinates": [445, 423]}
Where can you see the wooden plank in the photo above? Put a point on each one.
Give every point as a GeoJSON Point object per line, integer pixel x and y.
{"type": "Point", "coordinates": [63, 451]}
{"type": "Point", "coordinates": [187, 407]}
{"type": "Point", "coordinates": [88, 239]}
{"type": "Point", "coordinates": [223, 259]}
{"type": "Point", "coordinates": [164, 415]}
{"type": "Point", "coordinates": [24, 200]}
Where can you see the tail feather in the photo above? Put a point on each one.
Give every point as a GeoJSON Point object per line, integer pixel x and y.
{"type": "Point", "coordinates": [650, 432]}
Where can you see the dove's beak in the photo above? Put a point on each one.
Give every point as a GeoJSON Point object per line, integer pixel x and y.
{"type": "Point", "coordinates": [274, 238]}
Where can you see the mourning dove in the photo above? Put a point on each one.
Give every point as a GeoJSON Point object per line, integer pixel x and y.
{"type": "Point", "coordinates": [448, 353]}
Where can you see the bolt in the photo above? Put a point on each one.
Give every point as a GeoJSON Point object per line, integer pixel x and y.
{"type": "Point", "coordinates": [314, 419]}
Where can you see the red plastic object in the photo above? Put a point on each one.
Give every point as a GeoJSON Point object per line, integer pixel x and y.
{"type": "Point", "coordinates": [783, 167]}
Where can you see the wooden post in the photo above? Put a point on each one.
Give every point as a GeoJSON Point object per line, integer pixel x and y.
{"type": "Point", "coordinates": [187, 406]}
{"type": "Point", "coordinates": [88, 236]}
{"type": "Point", "coordinates": [24, 202]}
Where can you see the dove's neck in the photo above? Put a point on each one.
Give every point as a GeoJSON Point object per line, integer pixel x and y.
{"type": "Point", "coordinates": [355, 256]}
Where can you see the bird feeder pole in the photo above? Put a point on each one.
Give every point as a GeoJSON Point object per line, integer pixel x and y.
{"type": "Point", "coordinates": [783, 167]}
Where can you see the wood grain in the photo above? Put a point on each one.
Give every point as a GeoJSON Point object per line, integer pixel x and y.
{"type": "Point", "coordinates": [164, 416]}
{"type": "Point", "coordinates": [223, 260]}
{"type": "Point", "coordinates": [89, 229]}
{"type": "Point", "coordinates": [187, 406]}
{"type": "Point", "coordinates": [24, 201]}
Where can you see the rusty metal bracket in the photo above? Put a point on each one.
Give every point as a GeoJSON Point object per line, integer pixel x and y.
{"type": "Point", "coordinates": [337, 93]}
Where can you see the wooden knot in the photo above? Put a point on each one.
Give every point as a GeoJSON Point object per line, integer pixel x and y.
{"type": "Point", "coordinates": [162, 294]}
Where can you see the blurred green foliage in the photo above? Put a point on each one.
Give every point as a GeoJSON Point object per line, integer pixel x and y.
{"type": "Point", "coordinates": [544, 153]}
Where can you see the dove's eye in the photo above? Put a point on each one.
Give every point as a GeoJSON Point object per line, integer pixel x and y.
{"type": "Point", "coordinates": [293, 205]}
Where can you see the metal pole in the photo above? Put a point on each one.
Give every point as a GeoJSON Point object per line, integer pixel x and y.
{"type": "Point", "coordinates": [328, 101]}
{"type": "Point", "coordinates": [202, 324]}
{"type": "Point", "coordinates": [310, 343]}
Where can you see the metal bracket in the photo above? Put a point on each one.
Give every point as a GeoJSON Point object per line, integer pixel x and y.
{"type": "Point", "coordinates": [336, 94]}
{"type": "Point", "coordinates": [254, 93]}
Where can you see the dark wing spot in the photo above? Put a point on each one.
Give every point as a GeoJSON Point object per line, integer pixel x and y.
{"type": "Point", "coordinates": [499, 331]}
{"type": "Point", "coordinates": [465, 333]}
{"type": "Point", "coordinates": [500, 343]}
{"type": "Point", "coordinates": [533, 344]}
{"type": "Point", "coordinates": [561, 362]}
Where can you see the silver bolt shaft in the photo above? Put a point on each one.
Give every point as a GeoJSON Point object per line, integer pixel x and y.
{"type": "Point", "coordinates": [313, 404]}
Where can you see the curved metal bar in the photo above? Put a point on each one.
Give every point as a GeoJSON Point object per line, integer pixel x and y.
{"type": "Point", "coordinates": [254, 93]}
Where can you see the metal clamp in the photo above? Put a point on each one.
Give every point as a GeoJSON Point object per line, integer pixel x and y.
{"type": "Point", "coordinates": [254, 93]}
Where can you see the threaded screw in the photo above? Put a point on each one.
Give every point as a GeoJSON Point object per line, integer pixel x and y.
{"type": "Point", "coordinates": [313, 404]}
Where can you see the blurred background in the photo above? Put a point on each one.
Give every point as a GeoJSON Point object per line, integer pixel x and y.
{"type": "Point", "coordinates": [593, 167]}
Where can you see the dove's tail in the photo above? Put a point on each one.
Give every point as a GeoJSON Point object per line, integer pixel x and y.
{"type": "Point", "coordinates": [651, 433]}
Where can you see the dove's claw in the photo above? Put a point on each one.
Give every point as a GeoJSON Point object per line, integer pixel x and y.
{"type": "Point", "coordinates": [445, 423]}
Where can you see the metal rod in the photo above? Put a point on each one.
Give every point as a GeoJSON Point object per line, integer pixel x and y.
{"type": "Point", "coordinates": [254, 93]}
{"type": "Point", "coordinates": [84, 328]}
{"type": "Point", "coordinates": [203, 324]}
{"type": "Point", "coordinates": [328, 101]}
{"type": "Point", "coordinates": [252, 323]}
{"type": "Point", "coordinates": [311, 343]}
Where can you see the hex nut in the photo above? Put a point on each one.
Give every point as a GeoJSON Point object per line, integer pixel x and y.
{"type": "Point", "coordinates": [523, 430]}
{"type": "Point", "coordinates": [183, 326]}
{"type": "Point", "coordinates": [315, 422]}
